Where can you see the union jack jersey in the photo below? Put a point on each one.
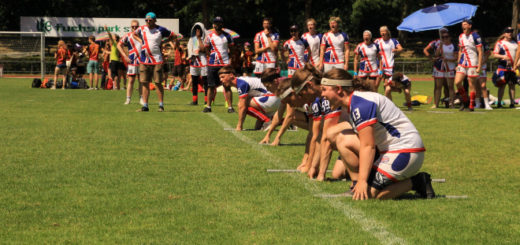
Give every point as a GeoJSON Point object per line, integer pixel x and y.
{"type": "Point", "coordinates": [507, 48]}
{"type": "Point", "coordinates": [385, 49]}
{"type": "Point", "coordinates": [334, 44]}
{"type": "Point", "coordinates": [320, 108]}
{"type": "Point", "coordinates": [151, 47]}
{"type": "Point", "coordinates": [448, 52]}
{"type": "Point", "coordinates": [368, 55]}
{"type": "Point", "coordinates": [468, 46]}
{"type": "Point", "coordinates": [434, 45]}
{"type": "Point", "coordinates": [296, 53]}
{"type": "Point", "coordinates": [393, 131]}
{"type": "Point", "coordinates": [267, 56]}
{"type": "Point", "coordinates": [251, 86]}
{"type": "Point", "coordinates": [314, 42]}
{"type": "Point", "coordinates": [134, 47]}
{"type": "Point", "coordinates": [218, 48]}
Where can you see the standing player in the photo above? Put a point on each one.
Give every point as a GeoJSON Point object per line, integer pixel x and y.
{"type": "Point", "coordinates": [481, 88]}
{"type": "Point", "coordinates": [388, 48]}
{"type": "Point", "coordinates": [367, 54]}
{"type": "Point", "coordinates": [93, 64]}
{"type": "Point", "coordinates": [133, 44]}
{"type": "Point", "coordinates": [61, 56]}
{"type": "Point", "coordinates": [217, 44]}
{"type": "Point", "coordinates": [254, 98]}
{"type": "Point", "coordinates": [296, 48]}
{"type": "Point", "coordinates": [334, 50]}
{"type": "Point", "coordinates": [447, 53]}
{"type": "Point", "coordinates": [117, 68]}
{"type": "Point", "coordinates": [470, 63]}
{"type": "Point", "coordinates": [379, 145]}
{"type": "Point", "coordinates": [151, 59]}
{"type": "Point", "coordinates": [266, 47]}
{"type": "Point", "coordinates": [430, 51]}
{"type": "Point", "coordinates": [505, 50]}
{"type": "Point", "coordinates": [313, 39]}
{"type": "Point", "coordinates": [198, 61]}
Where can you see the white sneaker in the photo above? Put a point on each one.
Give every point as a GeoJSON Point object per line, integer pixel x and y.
{"type": "Point", "coordinates": [141, 101]}
{"type": "Point", "coordinates": [488, 108]}
{"type": "Point", "coordinates": [127, 101]}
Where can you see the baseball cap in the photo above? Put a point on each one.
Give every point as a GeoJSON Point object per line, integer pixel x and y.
{"type": "Point", "coordinates": [508, 30]}
{"type": "Point", "coordinates": [151, 15]}
{"type": "Point", "coordinates": [218, 19]}
{"type": "Point", "coordinates": [293, 27]}
{"type": "Point", "coordinates": [469, 21]}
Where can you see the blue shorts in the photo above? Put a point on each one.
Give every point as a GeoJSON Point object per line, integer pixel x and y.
{"type": "Point", "coordinates": [92, 67]}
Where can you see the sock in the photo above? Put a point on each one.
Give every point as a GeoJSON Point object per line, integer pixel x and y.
{"type": "Point", "coordinates": [161, 104]}
{"type": "Point", "coordinates": [462, 93]}
{"type": "Point", "coordinates": [208, 106]}
{"type": "Point", "coordinates": [145, 105]}
{"type": "Point", "coordinates": [486, 102]}
{"type": "Point", "coordinates": [472, 100]}
{"type": "Point", "coordinates": [409, 104]}
{"type": "Point", "coordinates": [194, 98]}
{"type": "Point", "coordinates": [229, 107]}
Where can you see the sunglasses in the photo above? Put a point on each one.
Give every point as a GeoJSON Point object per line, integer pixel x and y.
{"type": "Point", "coordinates": [134, 27]}
{"type": "Point", "coordinates": [445, 36]}
{"type": "Point", "coordinates": [148, 20]}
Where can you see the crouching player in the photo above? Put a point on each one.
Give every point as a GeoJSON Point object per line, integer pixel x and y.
{"type": "Point", "coordinates": [380, 146]}
{"type": "Point", "coordinates": [397, 83]}
{"type": "Point", "coordinates": [254, 98]}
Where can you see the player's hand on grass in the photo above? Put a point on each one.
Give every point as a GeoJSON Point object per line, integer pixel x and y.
{"type": "Point", "coordinates": [276, 142]}
{"type": "Point", "coordinates": [264, 141]}
{"type": "Point", "coordinates": [360, 191]}
{"type": "Point", "coordinates": [238, 128]}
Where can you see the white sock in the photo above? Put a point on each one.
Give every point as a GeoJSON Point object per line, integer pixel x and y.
{"type": "Point", "coordinates": [486, 102]}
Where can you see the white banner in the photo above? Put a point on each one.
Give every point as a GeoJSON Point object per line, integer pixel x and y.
{"type": "Point", "coordinates": [84, 27]}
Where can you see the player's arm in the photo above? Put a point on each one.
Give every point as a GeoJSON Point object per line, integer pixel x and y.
{"type": "Point", "coordinates": [367, 151]}
{"type": "Point", "coordinates": [398, 49]}
{"type": "Point", "coordinates": [347, 55]}
{"type": "Point", "coordinates": [426, 50]}
{"type": "Point", "coordinates": [242, 112]}
{"type": "Point", "coordinates": [122, 52]}
{"type": "Point", "coordinates": [289, 118]}
{"type": "Point", "coordinates": [325, 147]}
{"type": "Point", "coordinates": [276, 120]}
{"type": "Point", "coordinates": [313, 148]}
{"type": "Point", "coordinates": [356, 59]}
{"type": "Point", "coordinates": [479, 50]}
{"type": "Point", "coordinates": [322, 56]}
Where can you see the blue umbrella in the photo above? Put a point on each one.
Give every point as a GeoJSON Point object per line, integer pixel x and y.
{"type": "Point", "coordinates": [437, 16]}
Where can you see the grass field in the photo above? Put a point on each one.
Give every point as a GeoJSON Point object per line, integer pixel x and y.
{"type": "Point", "coordinates": [79, 167]}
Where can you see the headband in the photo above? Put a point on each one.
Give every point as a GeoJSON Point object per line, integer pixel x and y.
{"type": "Point", "coordinates": [336, 82]}
{"type": "Point", "coordinates": [286, 93]}
{"type": "Point", "coordinates": [299, 88]}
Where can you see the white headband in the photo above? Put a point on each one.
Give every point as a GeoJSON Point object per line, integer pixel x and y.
{"type": "Point", "coordinates": [286, 93]}
{"type": "Point", "coordinates": [299, 88]}
{"type": "Point", "coordinates": [334, 82]}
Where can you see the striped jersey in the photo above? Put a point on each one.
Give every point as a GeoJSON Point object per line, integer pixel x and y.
{"type": "Point", "coordinates": [151, 45]}
{"type": "Point", "coordinates": [296, 53]}
{"type": "Point", "coordinates": [218, 48]}
{"type": "Point", "coordinates": [314, 42]}
{"type": "Point", "coordinates": [267, 56]}
{"type": "Point", "coordinates": [334, 44]}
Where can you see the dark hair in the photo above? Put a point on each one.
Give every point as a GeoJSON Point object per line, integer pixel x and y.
{"type": "Point", "coordinates": [302, 75]}
{"type": "Point", "coordinates": [269, 75]}
{"type": "Point", "coordinates": [226, 69]}
{"type": "Point", "coordinates": [92, 37]}
{"type": "Point", "coordinates": [268, 19]}
{"type": "Point", "coordinates": [397, 76]}
{"type": "Point", "coordinates": [357, 84]}
{"type": "Point", "coordinates": [283, 85]}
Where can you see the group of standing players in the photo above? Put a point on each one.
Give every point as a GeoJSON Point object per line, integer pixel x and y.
{"type": "Point", "coordinates": [379, 147]}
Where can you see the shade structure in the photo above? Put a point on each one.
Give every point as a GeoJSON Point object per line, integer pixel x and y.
{"type": "Point", "coordinates": [437, 16]}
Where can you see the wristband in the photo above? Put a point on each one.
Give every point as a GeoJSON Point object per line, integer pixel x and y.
{"type": "Point", "coordinates": [355, 73]}
{"type": "Point", "coordinates": [380, 72]}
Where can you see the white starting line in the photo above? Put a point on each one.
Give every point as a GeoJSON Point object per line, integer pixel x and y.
{"type": "Point", "coordinates": [371, 226]}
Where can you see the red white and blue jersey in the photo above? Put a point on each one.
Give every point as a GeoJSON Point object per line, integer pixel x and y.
{"type": "Point", "coordinates": [468, 46]}
{"type": "Point", "coordinates": [393, 131]}
{"type": "Point", "coordinates": [405, 81]}
{"type": "Point", "coordinates": [368, 55]}
{"type": "Point", "coordinates": [134, 47]}
{"type": "Point", "coordinates": [448, 52]}
{"type": "Point", "coordinates": [434, 45]}
{"type": "Point", "coordinates": [250, 86]}
{"type": "Point", "coordinates": [296, 53]}
{"type": "Point", "coordinates": [320, 108]}
{"type": "Point", "coordinates": [218, 48]}
{"type": "Point", "coordinates": [334, 44]}
{"type": "Point", "coordinates": [385, 49]}
{"type": "Point", "coordinates": [507, 48]}
{"type": "Point", "coordinates": [151, 47]}
{"type": "Point", "coordinates": [314, 42]}
{"type": "Point", "coordinates": [267, 56]}
{"type": "Point", "coordinates": [198, 60]}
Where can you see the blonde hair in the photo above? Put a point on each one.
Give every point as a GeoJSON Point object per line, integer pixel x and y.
{"type": "Point", "coordinates": [303, 75]}
{"type": "Point", "coordinates": [335, 18]}
{"type": "Point", "coordinates": [135, 21]}
{"type": "Point", "coordinates": [311, 20]}
{"type": "Point", "coordinates": [61, 43]}
{"type": "Point", "coordinates": [369, 32]}
{"type": "Point", "coordinates": [385, 28]}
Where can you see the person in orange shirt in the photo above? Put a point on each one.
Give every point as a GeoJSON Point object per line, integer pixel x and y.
{"type": "Point", "coordinates": [93, 64]}
{"type": "Point", "coordinates": [61, 67]}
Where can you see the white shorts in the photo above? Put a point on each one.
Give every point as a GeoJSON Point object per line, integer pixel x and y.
{"type": "Point", "coordinates": [268, 103]}
{"type": "Point", "coordinates": [132, 70]}
{"type": "Point", "coordinates": [328, 67]}
{"type": "Point", "coordinates": [468, 71]}
{"type": "Point", "coordinates": [394, 167]}
{"type": "Point", "coordinates": [370, 74]}
{"type": "Point", "coordinates": [261, 67]}
{"type": "Point", "coordinates": [290, 72]}
{"type": "Point", "coordinates": [388, 72]}
{"type": "Point", "coordinates": [199, 71]}
{"type": "Point", "coordinates": [443, 74]}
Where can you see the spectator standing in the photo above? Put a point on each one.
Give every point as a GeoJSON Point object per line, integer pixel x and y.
{"type": "Point", "coordinates": [313, 39]}
{"type": "Point", "coordinates": [61, 56]}
{"type": "Point", "coordinates": [334, 47]}
{"type": "Point", "coordinates": [133, 44]}
{"type": "Point", "coordinates": [93, 63]}
{"type": "Point", "coordinates": [266, 47]}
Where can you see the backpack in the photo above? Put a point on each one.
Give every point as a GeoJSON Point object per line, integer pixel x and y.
{"type": "Point", "coordinates": [36, 83]}
{"type": "Point", "coordinates": [49, 83]}
{"type": "Point", "coordinates": [109, 84]}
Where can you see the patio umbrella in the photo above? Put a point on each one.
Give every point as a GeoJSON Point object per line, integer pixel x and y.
{"type": "Point", "coordinates": [102, 36]}
{"type": "Point", "coordinates": [232, 33]}
{"type": "Point", "coordinates": [437, 16]}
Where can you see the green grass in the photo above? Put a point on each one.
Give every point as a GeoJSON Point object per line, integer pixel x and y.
{"type": "Point", "coordinates": [78, 166]}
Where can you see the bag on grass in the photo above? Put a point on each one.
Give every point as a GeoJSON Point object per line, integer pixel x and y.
{"type": "Point", "coordinates": [109, 84]}
{"type": "Point", "coordinates": [36, 83]}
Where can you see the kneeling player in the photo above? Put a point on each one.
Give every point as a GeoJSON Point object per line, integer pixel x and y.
{"type": "Point", "coordinates": [397, 83]}
{"type": "Point", "coordinates": [254, 98]}
{"type": "Point", "coordinates": [380, 145]}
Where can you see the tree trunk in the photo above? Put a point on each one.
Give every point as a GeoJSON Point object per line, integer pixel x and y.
{"type": "Point", "coordinates": [402, 35]}
{"type": "Point", "coordinates": [514, 22]}
{"type": "Point", "coordinates": [205, 14]}
{"type": "Point", "coordinates": [308, 8]}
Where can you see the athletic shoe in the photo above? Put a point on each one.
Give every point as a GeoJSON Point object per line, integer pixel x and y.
{"type": "Point", "coordinates": [422, 184]}
{"type": "Point", "coordinates": [231, 110]}
{"type": "Point", "coordinates": [127, 101]}
{"type": "Point", "coordinates": [193, 103]}
{"type": "Point", "coordinates": [206, 109]}
{"type": "Point", "coordinates": [512, 105]}
{"type": "Point", "coordinates": [53, 88]}
{"type": "Point", "coordinates": [161, 109]}
{"type": "Point", "coordinates": [141, 101]}
{"type": "Point", "coordinates": [90, 88]}
{"type": "Point", "coordinates": [143, 109]}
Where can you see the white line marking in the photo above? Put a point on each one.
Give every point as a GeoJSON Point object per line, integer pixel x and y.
{"type": "Point", "coordinates": [371, 226]}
